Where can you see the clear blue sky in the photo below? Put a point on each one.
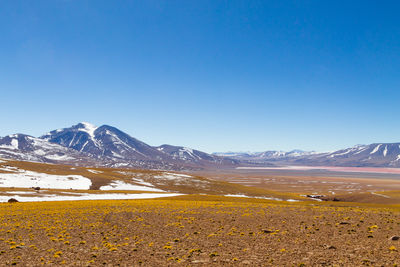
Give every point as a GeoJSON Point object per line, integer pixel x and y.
{"type": "Point", "coordinates": [212, 75]}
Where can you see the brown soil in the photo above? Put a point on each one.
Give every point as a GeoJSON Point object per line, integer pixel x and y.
{"type": "Point", "coordinates": [346, 187]}
{"type": "Point", "coordinates": [197, 230]}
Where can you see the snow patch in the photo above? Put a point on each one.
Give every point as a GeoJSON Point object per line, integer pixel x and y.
{"type": "Point", "coordinates": [141, 182]}
{"type": "Point", "coordinates": [94, 171]}
{"type": "Point", "coordinates": [375, 149]}
{"type": "Point", "coordinates": [116, 155]}
{"type": "Point", "coordinates": [361, 149]}
{"type": "Point", "coordinates": [21, 192]}
{"type": "Point", "coordinates": [40, 152]}
{"type": "Point", "coordinates": [268, 198]}
{"type": "Point", "coordinates": [13, 145]}
{"type": "Point", "coordinates": [340, 154]}
{"type": "Point", "coordinates": [27, 179]}
{"type": "Point", "coordinates": [376, 194]}
{"type": "Point", "coordinates": [58, 157]}
{"type": "Point", "coordinates": [9, 168]}
{"type": "Point", "coordinates": [172, 176]}
{"type": "Point", "coordinates": [84, 145]}
{"type": "Point", "coordinates": [86, 196]}
{"type": "Point", "coordinates": [120, 185]}
{"type": "Point", "coordinates": [89, 128]}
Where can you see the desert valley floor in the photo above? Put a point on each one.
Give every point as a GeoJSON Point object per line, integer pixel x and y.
{"type": "Point", "coordinates": [109, 217]}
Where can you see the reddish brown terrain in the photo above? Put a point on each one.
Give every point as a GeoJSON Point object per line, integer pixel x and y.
{"type": "Point", "coordinates": [235, 218]}
{"type": "Point", "coordinates": [356, 185]}
{"type": "Point", "coordinates": [198, 231]}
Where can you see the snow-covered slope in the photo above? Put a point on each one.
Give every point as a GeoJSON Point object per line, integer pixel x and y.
{"type": "Point", "coordinates": [80, 137]}
{"type": "Point", "coordinates": [266, 155]}
{"type": "Point", "coordinates": [85, 144]}
{"type": "Point", "coordinates": [373, 155]}
{"type": "Point", "coordinates": [29, 148]}
{"type": "Point", "coordinates": [104, 142]}
{"type": "Point", "coordinates": [15, 177]}
{"type": "Point", "coordinates": [113, 148]}
{"type": "Point", "coordinates": [194, 156]}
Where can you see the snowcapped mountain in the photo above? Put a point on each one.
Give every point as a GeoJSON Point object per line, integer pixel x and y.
{"type": "Point", "coordinates": [79, 137]}
{"type": "Point", "coordinates": [112, 147]}
{"type": "Point", "coordinates": [264, 156]}
{"type": "Point", "coordinates": [373, 155]}
{"type": "Point", "coordinates": [194, 156]}
{"type": "Point", "coordinates": [103, 146]}
{"type": "Point", "coordinates": [103, 142]}
{"type": "Point", "coordinates": [29, 148]}
{"type": "Point", "coordinates": [87, 145]}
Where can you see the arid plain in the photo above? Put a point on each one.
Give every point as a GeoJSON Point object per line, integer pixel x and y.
{"type": "Point", "coordinates": [230, 218]}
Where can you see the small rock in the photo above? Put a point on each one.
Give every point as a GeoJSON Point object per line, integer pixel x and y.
{"type": "Point", "coordinates": [344, 223]}
{"type": "Point", "coordinates": [200, 261]}
{"type": "Point", "coordinates": [395, 237]}
{"type": "Point", "coordinates": [12, 200]}
{"type": "Point", "coordinates": [246, 262]}
{"type": "Point", "coordinates": [331, 247]}
{"type": "Point", "coordinates": [267, 231]}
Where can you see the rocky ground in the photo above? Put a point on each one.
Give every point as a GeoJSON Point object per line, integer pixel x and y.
{"type": "Point", "coordinates": [199, 230]}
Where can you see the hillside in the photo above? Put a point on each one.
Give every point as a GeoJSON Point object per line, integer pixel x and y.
{"type": "Point", "coordinates": [62, 182]}
{"type": "Point", "coordinates": [87, 145]}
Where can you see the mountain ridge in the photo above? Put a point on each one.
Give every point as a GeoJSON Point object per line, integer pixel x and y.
{"type": "Point", "coordinates": [86, 144]}
{"type": "Point", "coordinates": [372, 155]}
{"type": "Point", "coordinates": [104, 146]}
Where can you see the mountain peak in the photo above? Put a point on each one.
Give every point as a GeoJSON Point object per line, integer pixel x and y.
{"type": "Point", "coordinates": [88, 124]}
{"type": "Point", "coordinates": [87, 127]}
{"type": "Point", "coordinates": [105, 145]}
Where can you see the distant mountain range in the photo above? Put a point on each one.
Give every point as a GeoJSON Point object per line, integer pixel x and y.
{"type": "Point", "coordinates": [373, 155]}
{"type": "Point", "coordinates": [87, 145]}
{"type": "Point", "coordinates": [266, 155]}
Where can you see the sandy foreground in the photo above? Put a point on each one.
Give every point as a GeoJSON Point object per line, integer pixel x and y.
{"type": "Point", "coordinates": [198, 230]}
{"type": "Point", "coordinates": [220, 218]}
